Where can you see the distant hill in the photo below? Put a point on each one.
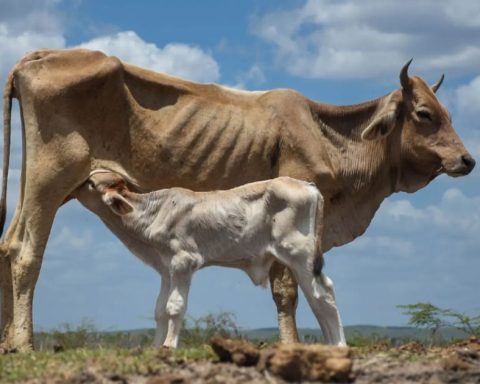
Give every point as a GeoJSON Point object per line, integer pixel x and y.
{"type": "Point", "coordinates": [396, 334]}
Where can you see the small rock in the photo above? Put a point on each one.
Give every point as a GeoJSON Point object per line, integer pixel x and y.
{"type": "Point", "coordinates": [241, 352]}
{"type": "Point", "coordinates": [136, 351]}
{"type": "Point", "coordinates": [413, 347]}
{"type": "Point", "coordinates": [313, 362]}
{"type": "Point", "coordinates": [115, 377]}
{"type": "Point", "coordinates": [85, 377]}
{"type": "Point", "coordinates": [168, 378]}
{"type": "Point", "coordinates": [455, 362]}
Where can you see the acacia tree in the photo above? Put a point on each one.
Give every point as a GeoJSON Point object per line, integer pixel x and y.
{"type": "Point", "coordinates": [425, 315]}
{"type": "Point", "coordinates": [468, 324]}
{"type": "Point", "coordinates": [429, 316]}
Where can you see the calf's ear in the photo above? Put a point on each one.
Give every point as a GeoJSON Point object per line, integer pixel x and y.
{"type": "Point", "coordinates": [117, 203]}
{"type": "Point", "coordinates": [382, 122]}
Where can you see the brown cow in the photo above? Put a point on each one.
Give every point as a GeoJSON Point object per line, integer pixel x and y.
{"type": "Point", "coordinates": [82, 110]}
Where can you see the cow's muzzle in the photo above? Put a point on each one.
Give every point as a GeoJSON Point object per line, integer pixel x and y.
{"type": "Point", "coordinates": [463, 166]}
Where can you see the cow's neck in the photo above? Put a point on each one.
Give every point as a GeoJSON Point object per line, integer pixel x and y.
{"type": "Point", "coordinates": [362, 170]}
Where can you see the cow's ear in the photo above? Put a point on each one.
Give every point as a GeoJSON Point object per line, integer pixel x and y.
{"type": "Point", "coordinates": [382, 122]}
{"type": "Point", "coordinates": [117, 203]}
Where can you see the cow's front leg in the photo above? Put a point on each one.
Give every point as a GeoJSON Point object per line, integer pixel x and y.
{"type": "Point", "coordinates": [285, 294]}
{"type": "Point", "coordinates": [176, 306]}
{"type": "Point", "coordinates": [161, 315]}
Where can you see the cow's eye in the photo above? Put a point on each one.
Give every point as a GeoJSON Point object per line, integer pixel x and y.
{"type": "Point", "coordinates": [424, 115]}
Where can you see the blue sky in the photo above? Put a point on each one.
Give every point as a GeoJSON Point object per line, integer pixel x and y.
{"type": "Point", "coordinates": [420, 247]}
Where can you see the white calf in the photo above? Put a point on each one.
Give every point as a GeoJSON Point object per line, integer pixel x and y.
{"type": "Point", "coordinates": [177, 231]}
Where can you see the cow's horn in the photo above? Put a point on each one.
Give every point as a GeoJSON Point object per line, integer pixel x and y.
{"type": "Point", "coordinates": [438, 83]}
{"type": "Point", "coordinates": [404, 79]}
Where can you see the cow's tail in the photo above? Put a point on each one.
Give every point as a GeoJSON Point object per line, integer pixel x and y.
{"type": "Point", "coordinates": [7, 128]}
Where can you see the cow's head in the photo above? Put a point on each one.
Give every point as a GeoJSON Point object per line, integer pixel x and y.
{"type": "Point", "coordinates": [113, 190]}
{"type": "Point", "coordinates": [422, 141]}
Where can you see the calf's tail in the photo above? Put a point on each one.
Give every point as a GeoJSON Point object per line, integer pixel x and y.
{"type": "Point", "coordinates": [317, 211]}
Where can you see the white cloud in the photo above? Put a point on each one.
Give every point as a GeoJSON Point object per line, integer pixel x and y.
{"type": "Point", "coordinates": [40, 16]}
{"type": "Point", "coordinates": [456, 214]}
{"type": "Point", "coordinates": [254, 75]}
{"type": "Point", "coordinates": [385, 245]}
{"type": "Point", "coordinates": [465, 101]}
{"type": "Point", "coordinates": [468, 97]}
{"type": "Point", "coordinates": [25, 26]}
{"type": "Point", "coordinates": [332, 39]}
{"type": "Point", "coordinates": [176, 59]}
{"type": "Point", "coordinates": [465, 15]}
{"type": "Point", "coordinates": [69, 240]}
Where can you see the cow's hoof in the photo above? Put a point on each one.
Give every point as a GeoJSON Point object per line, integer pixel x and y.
{"type": "Point", "coordinates": [25, 348]}
{"type": "Point", "coordinates": [4, 350]}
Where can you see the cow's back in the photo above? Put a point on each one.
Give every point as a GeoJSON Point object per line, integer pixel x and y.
{"type": "Point", "coordinates": [159, 130]}
{"type": "Point", "coordinates": [73, 104]}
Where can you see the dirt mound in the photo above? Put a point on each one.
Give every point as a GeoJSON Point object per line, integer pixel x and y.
{"type": "Point", "coordinates": [241, 352]}
{"type": "Point", "coordinates": [291, 362]}
{"type": "Point", "coordinates": [301, 362]}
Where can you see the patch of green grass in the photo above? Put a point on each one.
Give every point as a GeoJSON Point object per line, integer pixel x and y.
{"type": "Point", "coordinates": [357, 339]}
{"type": "Point", "coordinates": [119, 361]}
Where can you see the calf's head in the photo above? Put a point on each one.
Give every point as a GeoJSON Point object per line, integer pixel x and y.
{"type": "Point", "coordinates": [113, 191]}
{"type": "Point", "coordinates": [422, 143]}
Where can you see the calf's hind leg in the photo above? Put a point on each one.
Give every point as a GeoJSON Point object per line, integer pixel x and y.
{"type": "Point", "coordinates": [320, 296]}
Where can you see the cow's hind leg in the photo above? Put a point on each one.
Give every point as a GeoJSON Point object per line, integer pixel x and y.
{"type": "Point", "coordinates": [6, 285]}
{"type": "Point", "coordinates": [26, 252]}
{"type": "Point", "coordinates": [6, 300]}
{"type": "Point", "coordinates": [43, 193]}
{"type": "Point", "coordinates": [285, 295]}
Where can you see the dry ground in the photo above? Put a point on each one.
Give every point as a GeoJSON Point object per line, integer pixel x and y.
{"type": "Point", "coordinates": [410, 363]}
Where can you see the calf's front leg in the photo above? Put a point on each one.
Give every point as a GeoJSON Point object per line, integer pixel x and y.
{"type": "Point", "coordinates": [176, 306]}
{"type": "Point", "coordinates": [161, 316]}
